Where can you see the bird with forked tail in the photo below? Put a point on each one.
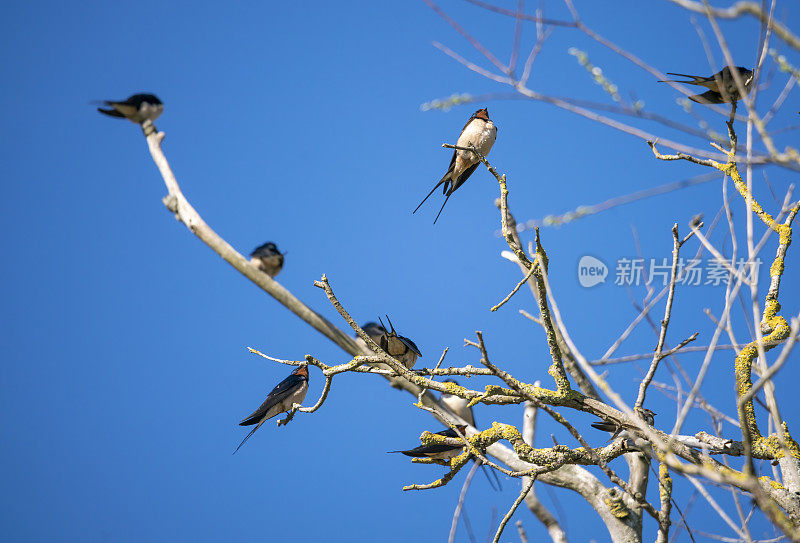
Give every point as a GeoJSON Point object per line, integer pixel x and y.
{"type": "Point", "coordinates": [137, 108]}
{"type": "Point", "coordinates": [438, 451]}
{"type": "Point", "coordinates": [480, 133]}
{"type": "Point", "coordinates": [722, 87]}
{"type": "Point", "coordinates": [290, 391]}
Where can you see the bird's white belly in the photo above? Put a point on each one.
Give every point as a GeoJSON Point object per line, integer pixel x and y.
{"type": "Point", "coordinates": [459, 407]}
{"type": "Point", "coordinates": [479, 134]}
{"type": "Point", "coordinates": [150, 111]}
{"type": "Point", "coordinates": [271, 265]}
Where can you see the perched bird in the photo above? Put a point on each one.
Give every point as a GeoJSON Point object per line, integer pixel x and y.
{"type": "Point", "coordinates": [438, 451]}
{"type": "Point", "coordinates": [479, 132]}
{"type": "Point", "coordinates": [267, 258]}
{"type": "Point", "coordinates": [401, 348]}
{"type": "Point", "coordinates": [137, 108]}
{"type": "Point", "coordinates": [374, 331]}
{"type": "Point", "coordinates": [616, 430]}
{"type": "Point", "coordinates": [290, 391]}
{"type": "Point", "coordinates": [721, 86]}
{"type": "Point", "coordinates": [459, 406]}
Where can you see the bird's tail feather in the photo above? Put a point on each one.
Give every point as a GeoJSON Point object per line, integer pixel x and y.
{"type": "Point", "coordinates": [248, 435]}
{"type": "Point", "coordinates": [693, 79]}
{"type": "Point", "coordinates": [442, 180]}
{"type": "Point", "coordinates": [442, 208]}
{"type": "Point", "coordinates": [486, 471]}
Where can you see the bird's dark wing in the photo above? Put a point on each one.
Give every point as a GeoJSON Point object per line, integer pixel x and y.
{"type": "Point", "coordinates": [452, 160]}
{"type": "Point", "coordinates": [111, 112]}
{"type": "Point", "coordinates": [463, 178]}
{"type": "Point", "coordinates": [410, 344]}
{"type": "Point", "coordinates": [449, 173]}
{"type": "Point", "coordinates": [125, 108]}
{"type": "Point", "coordinates": [138, 99]}
{"type": "Point", "coordinates": [278, 394]}
{"type": "Point", "coordinates": [708, 97]}
{"type": "Point", "coordinates": [425, 450]}
{"type": "Point", "coordinates": [264, 250]}
{"type": "Point", "coordinates": [434, 448]}
{"type": "Point", "coordinates": [604, 425]}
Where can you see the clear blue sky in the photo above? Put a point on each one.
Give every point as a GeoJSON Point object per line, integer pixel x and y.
{"type": "Point", "coordinates": [124, 338]}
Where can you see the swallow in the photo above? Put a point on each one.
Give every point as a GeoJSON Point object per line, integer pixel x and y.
{"type": "Point", "coordinates": [617, 430]}
{"type": "Point", "coordinates": [267, 258]}
{"type": "Point", "coordinates": [400, 348]}
{"type": "Point", "coordinates": [721, 86]}
{"type": "Point", "coordinates": [437, 451]}
{"type": "Point", "coordinates": [459, 406]}
{"type": "Point", "coordinates": [137, 108]}
{"type": "Point", "coordinates": [290, 391]}
{"type": "Point", "coordinates": [479, 132]}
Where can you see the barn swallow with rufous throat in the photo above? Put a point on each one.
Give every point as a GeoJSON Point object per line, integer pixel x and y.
{"type": "Point", "coordinates": [480, 133]}
{"type": "Point", "coordinates": [290, 391]}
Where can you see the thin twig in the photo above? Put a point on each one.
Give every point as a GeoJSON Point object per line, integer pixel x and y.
{"type": "Point", "coordinates": [743, 8]}
{"type": "Point", "coordinates": [462, 495]}
{"type": "Point", "coordinates": [513, 509]}
{"type": "Point", "coordinates": [658, 356]}
{"type": "Point", "coordinates": [514, 291]}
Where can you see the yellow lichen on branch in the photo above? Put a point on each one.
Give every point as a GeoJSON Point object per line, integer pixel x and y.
{"type": "Point", "coordinates": [774, 326]}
